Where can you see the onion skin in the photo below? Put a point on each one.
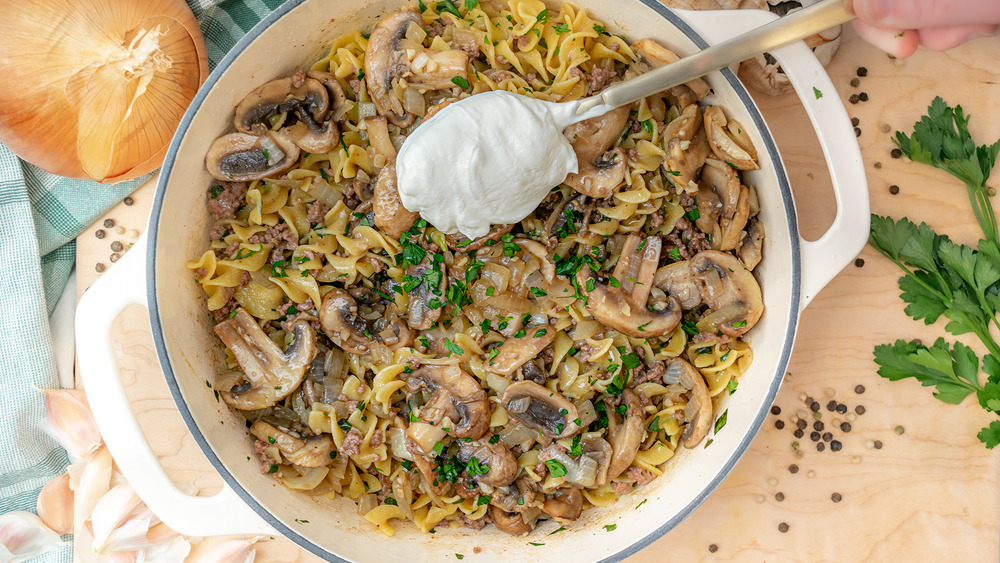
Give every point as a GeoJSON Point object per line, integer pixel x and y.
{"type": "Point", "coordinates": [77, 101]}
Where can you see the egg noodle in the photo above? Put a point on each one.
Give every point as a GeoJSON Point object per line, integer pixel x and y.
{"type": "Point", "coordinates": [416, 357]}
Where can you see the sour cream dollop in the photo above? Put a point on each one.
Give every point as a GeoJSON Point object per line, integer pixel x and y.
{"type": "Point", "coordinates": [488, 159]}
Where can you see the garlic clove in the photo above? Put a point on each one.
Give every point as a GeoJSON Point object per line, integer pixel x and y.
{"type": "Point", "coordinates": [23, 536]}
{"type": "Point", "coordinates": [129, 537]}
{"type": "Point", "coordinates": [160, 532]}
{"type": "Point", "coordinates": [93, 482]}
{"type": "Point", "coordinates": [170, 551]}
{"type": "Point", "coordinates": [108, 516]}
{"type": "Point", "coordinates": [55, 505]}
{"type": "Point", "coordinates": [71, 421]}
{"type": "Point", "coordinates": [230, 551]}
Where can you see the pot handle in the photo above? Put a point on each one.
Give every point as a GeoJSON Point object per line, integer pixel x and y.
{"type": "Point", "coordinates": [825, 257]}
{"type": "Point", "coordinates": [120, 287]}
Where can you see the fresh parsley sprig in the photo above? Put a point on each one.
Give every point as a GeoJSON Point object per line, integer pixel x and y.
{"type": "Point", "coordinates": [946, 279]}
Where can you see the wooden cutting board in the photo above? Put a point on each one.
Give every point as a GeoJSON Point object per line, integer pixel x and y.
{"type": "Point", "coordinates": [931, 492]}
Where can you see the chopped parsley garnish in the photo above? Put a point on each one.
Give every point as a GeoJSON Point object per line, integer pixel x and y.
{"type": "Point", "coordinates": [407, 464]}
{"type": "Point", "coordinates": [616, 386]}
{"type": "Point", "coordinates": [483, 499]}
{"type": "Point", "coordinates": [692, 215]}
{"type": "Point", "coordinates": [557, 530]}
{"type": "Point", "coordinates": [390, 500]}
{"type": "Point", "coordinates": [460, 82]}
{"type": "Point", "coordinates": [600, 28]}
{"type": "Point", "coordinates": [576, 450]}
{"type": "Point", "coordinates": [519, 334]}
{"type": "Point", "coordinates": [655, 425]}
{"type": "Point", "coordinates": [344, 425]}
{"type": "Point", "coordinates": [561, 28]}
{"type": "Point", "coordinates": [272, 469]}
{"type": "Point", "coordinates": [540, 333]}
{"type": "Point", "coordinates": [817, 92]}
{"type": "Point", "coordinates": [495, 439]}
{"type": "Point", "coordinates": [740, 324]}
{"type": "Point", "coordinates": [613, 282]}
{"type": "Point", "coordinates": [689, 327]}
{"type": "Point", "coordinates": [641, 503]}
{"type": "Point", "coordinates": [721, 421]}
{"type": "Point", "coordinates": [448, 6]}
{"type": "Point", "coordinates": [271, 440]}
{"type": "Point", "coordinates": [471, 4]}
{"type": "Point", "coordinates": [484, 326]}
{"type": "Point", "coordinates": [475, 468]}
{"type": "Point", "coordinates": [538, 292]}
{"type": "Point", "coordinates": [611, 527]}
{"type": "Point", "coordinates": [556, 469]}
{"type": "Point", "coordinates": [452, 347]}
{"type": "Point", "coordinates": [648, 126]}
{"type": "Point", "coordinates": [674, 253]}
{"type": "Point", "coordinates": [439, 448]}
{"type": "Point", "coordinates": [631, 361]}
{"type": "Point", "coordinates": [215, 191]}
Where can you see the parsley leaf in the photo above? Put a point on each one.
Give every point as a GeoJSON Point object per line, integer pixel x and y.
{"type": "Point", "coordinates": [952, 371]}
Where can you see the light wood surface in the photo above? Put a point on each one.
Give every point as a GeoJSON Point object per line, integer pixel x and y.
{"type": "Point", "coordinates": [931, 493]}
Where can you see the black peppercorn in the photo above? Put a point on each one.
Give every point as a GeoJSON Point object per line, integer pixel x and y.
{"type": "Point", "coordinates": [713, 548]}
{"type": "Point", "coordinates": [793, 468]}
{"type": "Point", "coordinates": [831, 406]}
{"type": "Point", "coordinates": [859, 389]}
{"type": "Point", "coordinates": [857, 131]}
{"type": "Point", "coordinates": [894, 189]}
{"type": "Point", "coordinates": [845, 426]}
{"type": "Point", "coordinates": [775, 410]}
{"type": "Point", "coordinates": [835, 446]}
{"type": "Point", "coordinates": [878, 444]}
{"type": "Point", "coordinates": [854, 99]}
{"type": "Point", "coordinates": [860, 409]}
{"type": "Point", "coordinates": [855, 121]}
{"type": "Point", "coordinates": [99, 233]}
{"type": "Point", "coordinates": [835, 497]}
{"type": "Point", "coordinates": [862, 71]}
{"type": "Point", "coordinates": [798, 433]}
{"type": "Point", "coordinates": [863, 96]}
{"type": "Point", "coordinates": [779, 497]}
{"type": "Point", "coordinates": [128, 200]}
{"type": "Point", "coordinates": [783, 527]}
{"type": "Point", "coordinates": [814, 436]}
{"type": "Point", "coordinates": [859, 262]}
{"type": "Point", "coordinates": [820, 446]}
{"type": "Point", "coordinates": [108, 223]}
{"type": "Point", "coordinates": [818, 425]}
{"type": "Point", "coordinates": [841, 408]}
{"type": "Point", "coordinates": [827, 436]}
{"type": "Point", "coordinates": [779, 424]}
{"type": "Point", "coordinates": [117, 246]}
{"type": "Point", "coordinates": [896, 153]}
{"type": "Point", "coordinates": [801, 424]}
{"type": "Point", "coordinates": [814, 406]}
{"type": "Point", "coordinates": [99, 267]}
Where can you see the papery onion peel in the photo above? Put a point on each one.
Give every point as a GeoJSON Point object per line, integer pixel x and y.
{"type": "Point", "coordinates": [95, 89]}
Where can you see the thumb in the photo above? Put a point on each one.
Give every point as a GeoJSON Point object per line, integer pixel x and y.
{"type": "Point", "coordinates": [921, 14]}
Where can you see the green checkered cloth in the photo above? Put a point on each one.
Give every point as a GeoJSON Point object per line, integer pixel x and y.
{"type": "Point", "coordinates": [40, 216]}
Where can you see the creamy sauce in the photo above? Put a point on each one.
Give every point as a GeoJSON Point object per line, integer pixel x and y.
{"type": "Point", "coordinates": [488, 159]}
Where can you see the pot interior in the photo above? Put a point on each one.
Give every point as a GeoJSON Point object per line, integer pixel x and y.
{"type": "Point", "coordinates": [295, 36]}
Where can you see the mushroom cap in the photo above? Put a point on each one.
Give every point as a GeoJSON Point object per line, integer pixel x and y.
{"type": "Point", "coordinates": [239, 157]}
{"type": "Point", "coordinates": [751, 247]}
{"type": "Point", "coordinates": [725, 204]}
{"type": "Point", "coordinates": [600, 171]}
{"type": "Point", "coordinates": [420, 315]}
{"type": "Point", "coordinates": [624, 308]}
{"type": "Point", "coordinates": [501, 463]}
{"type": "Point", "coordinates": [625, 436]}
{"type": "Point", "coordinates": [307, 99]}
{"type": "Point", "coordinates": [390, 216]}
{"type": "Point", "coordinates": [740, 155]}
{"type": "Point", "coordinates": [699, 406]}
{"type": "Point", "coordinates": [515, 352]}
{"type": "Point", "coordinates": [456, 395]}
{"type": "Point", "coordinates": [335, 92]}
{"type": "Point", "coordinates": [380, 60]}
{"type": "Point", "coordinates": [541, 409]}
{"type": "Point", "coordinates": [512, 523]}
{"type": "Point", "coordinates": [729, 290]}
{"type": "Point", "coordinates": [272, 373]}
{"type": "Point", "coordinates": [565, 504]}
{"type": "Point", "coordinates": [338, 314]}
{"type": "Point", "coordinates": [675, 279]}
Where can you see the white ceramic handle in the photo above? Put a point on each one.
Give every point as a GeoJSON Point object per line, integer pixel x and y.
{"type": "Point", "coordinates": [121, 286]}
{"type": "Point", "coordinates": [824, 258]}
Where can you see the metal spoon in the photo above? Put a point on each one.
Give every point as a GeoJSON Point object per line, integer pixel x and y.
{"type": "Point", "coordinates": [779, 33]}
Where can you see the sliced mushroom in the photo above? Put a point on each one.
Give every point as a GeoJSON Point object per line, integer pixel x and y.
{"type": "Point", "coordinates": [624, 308]}
{"type": "Point", "coordinates": [675, 279]}
{"type": "Point", "coordinates": [547, 412]}
{"type": "Point", "coordinates": [338, 99]}
{"type": "Point", "coordinates": [440, 487]}
{"type": "Point", "coordinates": [698, 410]}
{"type": "Point", "coordinates": [420, 315]}
{"type": "Point", "coordinates": [458, 241]}
{"type": "Point", "coordinates": [625, 434]}
{"type": "Point", "coordinates": [600, 451]}
{"type": "Point", "coordinates": [339, 316]}
{"type": "Point", "coordinates": [752, 244]}
{"type": "Point", "coordinates": [565, 504]}
{"type": "Point", "coordinates": [390, 215]}
{"type": "Point", "coordinates": [515, 352]}
{"type": "Point", "coordinates": [730, 291]}
{"type": "Point", "coordinates": [512, 523]}
{"type": "Point", "coordinates": [600, 170]}
{"type": "Point", "coordinates": [392, 331]}
{"type": "Point", "coordinates": [455, 395]}
{"type": "Point", "coordinates": [589, 469]}
{"type": "Point", "coordinates": [386, 63]}
{"type": "Point", "coordinates": [501, 465]}
{"type": "Point", "coordinates": [656, 56]}
{"type": "Point", "coordinates": [239, 157]}
{"type": "Point", "coordinates": [725, 147]}
{"type": "Point", "coordinates": [305, 103]}
{"type": "Point", "coordinates": [272, 373]}
{"type": "Point", "coordinates": [315, 451]}
{"type": "Point", "coordinates": [539, 251]}
{"type": "Point", "coordinates": [727, 212]}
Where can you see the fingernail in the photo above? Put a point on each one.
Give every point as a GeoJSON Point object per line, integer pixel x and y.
{"type": "Point", "coordinates": [873, 10]}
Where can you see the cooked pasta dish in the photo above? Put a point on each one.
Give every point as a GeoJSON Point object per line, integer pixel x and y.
{"type": "Point", "coordinates": [554, 364]}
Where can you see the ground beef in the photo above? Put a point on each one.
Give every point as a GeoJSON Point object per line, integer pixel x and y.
{"type": "Point", "coordinates": [467, 44]}
{"type": "Point", "coordinates": [657, 219]}
{"type": "Point", "coordinates": [639, 475]}
{"type": "Point", "coordinates": [467, 522]}
{"type": "Point", "coordinates": [229, 306]}
{"type": "Point", "coordinates": [281, 236]}
{"type": "Point", "coordinates": [231, 250]}
{"type": "Point", "coordinates": [687, 238]}
{"type": "Point", "coordinates": [530, 77]}
{"type": "Point", "coordinates": [352, 443]}
{"type": "Point", "coordinates": [230, 199]}
{"type": "Point", "coordinates": [376, 439]}
{"type": "Point", "coordinates": [265, 460]}
{"type": "Point", "coordinates": [435, 29]}
{"type": "Point", "coordinates": [245, 278]}
{"type": "Point", "coordinates": [577, 72]}
{"type": "Point", "coordinates": [317, 212]}
{"type": "Point", "coordinates": [217, 232]}
{"type": "Point", "coordinates": [600, 78]}
{"type": "Point", "coordinates": [621, 487]}
{"type": "Point", "coordinates": [711, 338]}
{"type": "Point", "coordinates": [653, 373]}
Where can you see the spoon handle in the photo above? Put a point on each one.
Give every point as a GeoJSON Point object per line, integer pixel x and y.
{"type": "Point", "coordinates": [784, 31]}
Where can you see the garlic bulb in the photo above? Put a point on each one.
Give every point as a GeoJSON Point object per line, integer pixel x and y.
{"type": "Point", "coordinates": [96, 88]}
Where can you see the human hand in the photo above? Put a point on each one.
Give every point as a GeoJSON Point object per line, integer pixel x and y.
{"type": "Point", "coordinates": [900, 26]}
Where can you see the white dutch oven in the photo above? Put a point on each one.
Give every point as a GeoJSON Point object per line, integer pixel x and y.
{"type": "Point", "coordinates": [153, 274]}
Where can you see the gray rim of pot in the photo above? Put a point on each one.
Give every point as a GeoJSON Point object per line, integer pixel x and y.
{"type": "Point", "coordinates": [157, 326]}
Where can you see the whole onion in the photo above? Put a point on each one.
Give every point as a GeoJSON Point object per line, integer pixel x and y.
{"type": "Point", "coordinates": [95, 89]}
